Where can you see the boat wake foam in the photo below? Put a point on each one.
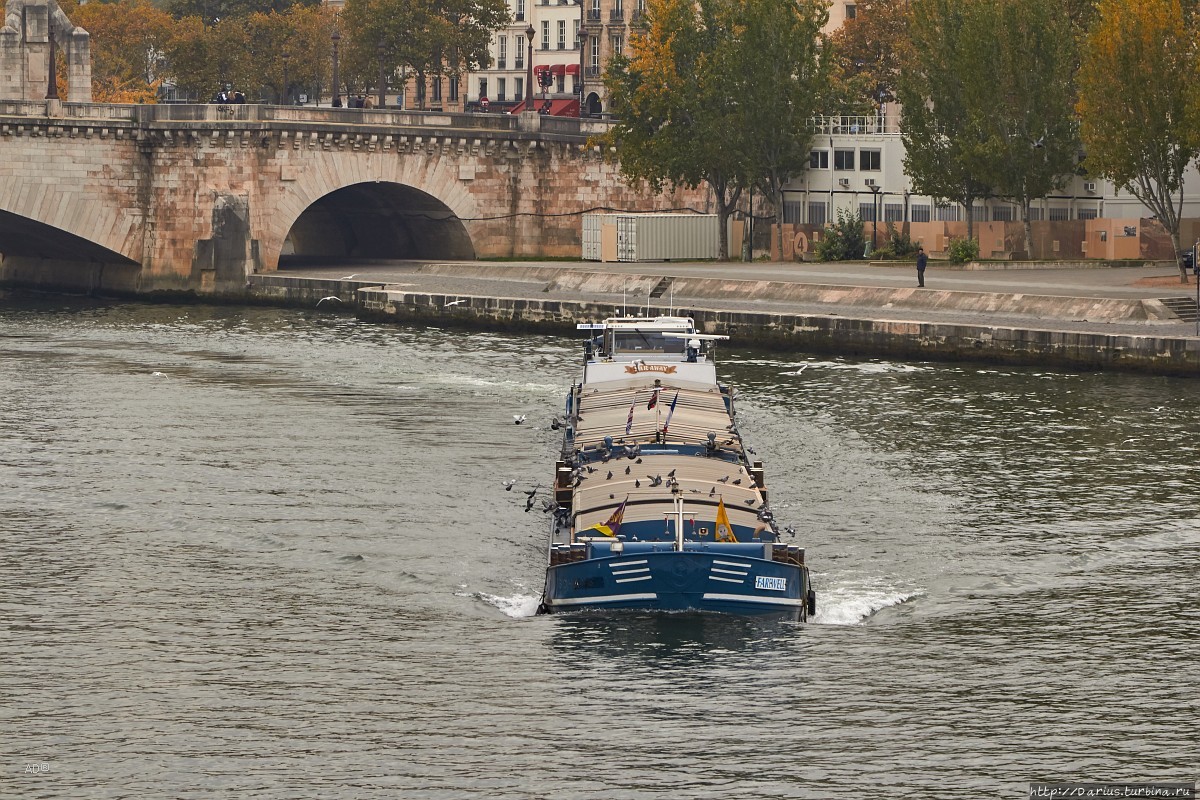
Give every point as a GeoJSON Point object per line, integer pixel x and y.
{"type": "Point", "coordinates": [517, 606]}
{"type": "Point", "coordinates": [853, 605]}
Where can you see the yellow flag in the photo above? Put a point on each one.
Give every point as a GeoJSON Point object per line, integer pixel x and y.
{"type": "Point", "coordinates": [724, 531]}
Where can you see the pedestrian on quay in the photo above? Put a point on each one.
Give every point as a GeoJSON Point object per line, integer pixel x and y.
{"type": "Point", "coordinates": [922, 260]}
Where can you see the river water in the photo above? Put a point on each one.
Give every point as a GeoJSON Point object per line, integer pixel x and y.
{"type": "Point", "coordinates": [268, 553]}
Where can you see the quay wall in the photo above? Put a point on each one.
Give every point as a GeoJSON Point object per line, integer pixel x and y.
{"type": "Point", "coordinates": [819, 334]}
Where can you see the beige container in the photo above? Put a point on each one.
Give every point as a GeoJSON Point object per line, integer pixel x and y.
{"type": "Point", "coordinates": [649, 237]}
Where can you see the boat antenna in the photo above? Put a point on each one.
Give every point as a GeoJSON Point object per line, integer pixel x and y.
{"type": "Point", "coordinates": [624, 281]}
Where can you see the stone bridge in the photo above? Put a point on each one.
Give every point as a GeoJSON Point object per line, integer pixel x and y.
{"type": "Point", "coordinates": [121, 198]}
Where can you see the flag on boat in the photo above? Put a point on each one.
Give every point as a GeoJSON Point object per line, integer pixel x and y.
{"type": "Point", "coordinates": [674, 400]}
{"type": "Point", "coordinates": [613, 524]}
{"type": "Point", "coordinates": [653, 400]}
{"type": "Point", "coordinates": [724, 532]}
{"type": "Point", "coordinates": [629, 419]}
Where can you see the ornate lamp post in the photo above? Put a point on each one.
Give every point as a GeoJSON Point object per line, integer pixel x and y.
{"type": "Point", "coordinates": [380, 50]}
{"type": "Point", "coordinates": [529, 32]}
{"type": "Point", "coordinates": [337, 92]}
{"type": "Point", "coordinates": [287, 95]}
{"type": "Point", "coordinates": [874, 216]}
{"type": "Point", "coordinates": [582, 39]}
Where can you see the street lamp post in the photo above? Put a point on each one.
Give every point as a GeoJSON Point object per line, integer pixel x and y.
{"type": "Point", "coordinates": [529, 32]}
{"type": "Point", "coordinates": [337, 92]}
{"type": "Point", "coordinates": [287, 95]}
{"type": "Point", "coordinates": [380, 51]}
{"type": "Point", "coordinates": [582, 39]}
{"type": "Point", "coordinates": [874, 217]}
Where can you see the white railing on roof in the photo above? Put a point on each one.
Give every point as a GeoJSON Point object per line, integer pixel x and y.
{"type": "Point", "coordinates": [862, 126]}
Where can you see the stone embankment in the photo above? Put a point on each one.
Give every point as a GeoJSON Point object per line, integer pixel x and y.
{"type": "Point", "coordinates": [1105, 331]}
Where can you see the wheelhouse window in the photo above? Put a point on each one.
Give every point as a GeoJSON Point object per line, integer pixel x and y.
{"type": "Point", "coordinates": [869, 160]}
{"type": "Point", "coordinates": [843, 160]}
{"type": "Point", "coordinates": [818, 159]}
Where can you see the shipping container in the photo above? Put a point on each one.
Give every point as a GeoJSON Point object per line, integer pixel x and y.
{"type": "Point", "coordinates": [649, 237]}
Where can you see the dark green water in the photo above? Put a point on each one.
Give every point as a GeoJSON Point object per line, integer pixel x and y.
{"type": "Point", "coordinates": [268, 554]}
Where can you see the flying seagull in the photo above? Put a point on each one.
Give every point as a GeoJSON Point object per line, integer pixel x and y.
{"type": "Point", "coordinates": [508, 485]}
{"type": "Point", "coordinates": [518, 418]}
{"type": "Point", "coordinates": [454, 302]}
{"type": "Point", "coordinates": [333, 298]}
{"type": "Point", "coordinates": [347, 277]}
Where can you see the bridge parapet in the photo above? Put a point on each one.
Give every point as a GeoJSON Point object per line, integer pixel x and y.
{"type": "Point", "coordinates": [291, 117]}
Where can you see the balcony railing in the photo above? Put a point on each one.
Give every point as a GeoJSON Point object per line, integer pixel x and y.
{"type": "Point", "coordinates": [562, 45]}
{"type": "Point", "coordinates": [593, 72]}
{"type": "Point", "coordinates": [593, 15]}
{"type": "Point", "coordinates": [501, 63]}
{"type": "Point", "coordinates": [616, 15]}
{"type": "Point", "coordinates": [855, 126]}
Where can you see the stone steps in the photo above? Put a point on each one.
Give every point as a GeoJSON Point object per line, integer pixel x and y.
{"type": "Point", "coordinates": [1183, 307]}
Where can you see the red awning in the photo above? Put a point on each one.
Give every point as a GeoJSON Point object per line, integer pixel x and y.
{"type": "Point", "coordinates": [558, 69]}
{"type": "Point", "coordinates": [538, 69]}
{"type": "Point", "coordinates": [572, 69]}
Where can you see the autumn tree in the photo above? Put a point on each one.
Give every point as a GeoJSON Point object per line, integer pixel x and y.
{"type": "Point", "coordinates": [211, 12]}
{"type": "Point", "coordinates": [869, 48]}
{"type": "Point", "coordinates": [128, 43]}
{"type": "Point", "coordinates": [427, 37]}
{"type": "Point", "coordinates": [1137, 105]}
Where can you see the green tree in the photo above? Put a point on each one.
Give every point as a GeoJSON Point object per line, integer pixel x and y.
{"type": "Point", "coordinates": [1137, 107]}
{"type": "Point", "coordinates": [679, 119]}
{"type": "Point", "coordinates": [211, 12]}
{"type": "Point", "coordinates": [946, 155]}
{"type": "Point", "coordinates": [720, 93]}
{"type": "Point", "coordinates": [777, 57]}
{"type": "Point", "coordinates": [428, 37]}
{"type": "Point", "coordinates": [1024, 106]}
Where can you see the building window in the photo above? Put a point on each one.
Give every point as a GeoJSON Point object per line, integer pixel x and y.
{"type": "Point", "coordinates": [518, 89]}
{"type": "Point", "coordinates": [454, 89]}
{"type": "Point", "coordinates": [1002, 214]}
{"type": "Point", "coordinates": [920, 213]}
{"type": "Point", "coordinates": [594, 49]}
{"type": "Point", "coordinates": [482, 88]}
{"type": "Point", "coordinates": [947, 213]}
{"type": "Point", "coordinates": [851, 11]}
{"type": "Point", "coordinates": [818, 159]}
{"type": "Point", "coordinates": [793, 211]}
{"type": "Point", "coordinates": [1060, 214]}
{"type": "Point", "coordinates": [575, 32]}
{"type": "Point", "coordinates": [1037, 214]}
{"type": "Point", "coordinates": [562, 34]}
{"type": "Point", "coordinates": [866, 212]}
{"type": "Point", "coordinates": [979, 213]}
{"type": "Point", "coordinates": [436, 92]}
{"type": "Point", "coordinates": [868, 160]}
{"type": "Point", "coordinates": [1088, 213]}
{"type": "Point", "coordinates": [500, 89]}
{"type": "Point", "coordinates": [816, 213]}
{"type": "Point", "coordinates": [520, 10]}
{"type": "Point", "coordinates": [843, 160]}
{"type": "Point", "coordinates": [519, 60]}
{"type": "Point", "coordinates": [618, 44]}
{"type": "Point", "coordinates": [545, 34]}
{"type": "Point", "coordinates": [893, 212]}
{"type": "Point", "coordinates": [502, 52]}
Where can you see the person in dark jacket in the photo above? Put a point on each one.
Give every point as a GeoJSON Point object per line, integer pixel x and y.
{"type": "Point", "coordinates": [922, 260]}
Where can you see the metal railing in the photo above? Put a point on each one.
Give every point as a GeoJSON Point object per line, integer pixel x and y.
{"type": "Point", "coordinates": [316, 117]}
{"type": "Point", "coordinates": [855, 126]}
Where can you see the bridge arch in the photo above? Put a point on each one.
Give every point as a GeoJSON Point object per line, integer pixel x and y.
{"type": "Point", "coordinates": [375, 220]}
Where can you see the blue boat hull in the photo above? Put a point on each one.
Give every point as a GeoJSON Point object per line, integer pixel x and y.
{"type": "Point", "coordinates": [680, 581]}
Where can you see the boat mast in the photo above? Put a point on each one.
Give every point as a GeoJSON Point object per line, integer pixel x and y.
{"type": "Point", "coordinates": [678, 523]}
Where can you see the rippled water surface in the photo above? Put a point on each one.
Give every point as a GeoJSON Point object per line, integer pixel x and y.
{"type": "Point", "coordinates": [268, 554]}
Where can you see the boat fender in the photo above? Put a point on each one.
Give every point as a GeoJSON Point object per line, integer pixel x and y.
{"type": "Point", "coordinates": [812, 603]}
